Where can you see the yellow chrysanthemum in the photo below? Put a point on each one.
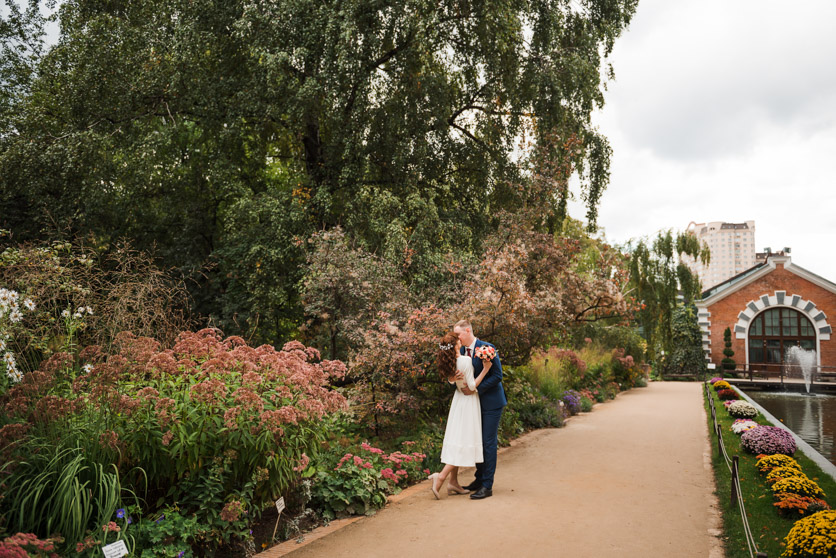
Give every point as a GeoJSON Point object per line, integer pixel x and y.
{"type": "Point", "coordinates": [768, 462]}
{"type": "Point", "coordinates": [798, 485]}
{"type": "Point", "coordinates": [812, 536]}
{"type": "Point", "coordinates": [784, 472]}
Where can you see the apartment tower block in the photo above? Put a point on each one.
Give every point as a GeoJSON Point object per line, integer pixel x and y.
{"type": "Point", "coordinates": [732, 248]}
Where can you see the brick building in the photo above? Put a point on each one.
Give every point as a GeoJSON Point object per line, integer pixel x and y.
{"type": "Point", "coordinates": [769, 307]}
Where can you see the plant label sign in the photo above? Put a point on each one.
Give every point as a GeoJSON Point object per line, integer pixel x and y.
{"type": "Point", "coordinates": [280, 504]}
{"type": "Point", "coordinates": [115, 550]}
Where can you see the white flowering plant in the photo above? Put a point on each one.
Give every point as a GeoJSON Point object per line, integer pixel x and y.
{"type": "Point", "coordinates": [12, 309]}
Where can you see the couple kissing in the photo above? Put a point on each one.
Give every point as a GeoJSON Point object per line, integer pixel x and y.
{"type": "Point", "coordinates": [470, 438]}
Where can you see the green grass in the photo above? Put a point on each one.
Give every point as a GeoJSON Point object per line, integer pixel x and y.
{"type": "Point", "coordinates": [768, 528]}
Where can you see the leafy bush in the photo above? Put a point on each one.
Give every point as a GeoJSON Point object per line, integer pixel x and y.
{"type": "Point", "coordinates": [742, 409]}
{"type": "Point", "coordinates": [798, 485]}
{"type": "Point", "coordinates": [727, 394]}
{"type": "Point", "coordinates": [768, 439]}
{"type": "Point", "coordinates": [768, 462]}
{"type": "Point", "coordinates": [358, 483]}
{"type": "Point", "coordinates": [533, 408]}
{"type": "Point", "coordinates": [813, 536]}
{"type": "Point", "coordinates": [586, 404]}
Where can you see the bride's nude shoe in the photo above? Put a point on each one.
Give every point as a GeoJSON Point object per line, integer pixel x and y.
{"type": "Point", "coordinates": [457, 490]}
{"type": "Point", "coordinates": [433, 478]}
{"type": "Point", "coordinates": [438, 491]}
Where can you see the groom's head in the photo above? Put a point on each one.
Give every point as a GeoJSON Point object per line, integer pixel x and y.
{"type": "Point", "coordinates": [464, 331]}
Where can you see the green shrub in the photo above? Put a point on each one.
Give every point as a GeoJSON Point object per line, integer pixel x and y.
{"type": "Point", "coordinates": [586, 404]}
{"type": "Point", "coordinates": [359, 482]}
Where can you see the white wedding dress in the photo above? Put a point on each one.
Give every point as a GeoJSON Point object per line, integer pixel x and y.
{"type": "Point", "coordinates": [463, 436]}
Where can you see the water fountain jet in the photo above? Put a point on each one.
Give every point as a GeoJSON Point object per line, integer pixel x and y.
{"type": "Point", "coordinates": [804, 359]}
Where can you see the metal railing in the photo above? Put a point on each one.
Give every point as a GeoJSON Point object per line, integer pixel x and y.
{"type": "Point", "coordinates": [736, 493]}
{"type": "Point", "coordinates": [765, 371]}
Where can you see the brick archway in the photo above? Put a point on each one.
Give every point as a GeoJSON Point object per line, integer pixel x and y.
{"type": "Point", "coordinates": [780, 300]}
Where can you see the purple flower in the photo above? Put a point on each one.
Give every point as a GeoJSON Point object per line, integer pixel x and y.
{"type": "Point", "coordinates": [181, 554]}
{"type": "Point", "coordinates": [768, 440]}
{"type": "Point", "coordinates": [130, 520]}
{"type": "Point", "coordinates": [161, 518]}
{"type": "Point", "coordinates": [572, 400]}
{"type": "Point", "coordinates": [120, 513]}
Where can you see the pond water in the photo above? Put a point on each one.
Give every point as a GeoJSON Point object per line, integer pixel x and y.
{"type": "Point", "coordinates": [812, 418]}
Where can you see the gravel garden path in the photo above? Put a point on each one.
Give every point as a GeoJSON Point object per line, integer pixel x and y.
{"type": "Point", "coordinates": [630, 479]}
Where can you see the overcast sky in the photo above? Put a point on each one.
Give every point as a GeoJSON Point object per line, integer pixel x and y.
{"type": "Point", "coordinates": [726, 111]}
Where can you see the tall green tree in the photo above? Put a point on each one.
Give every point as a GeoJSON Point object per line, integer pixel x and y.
{"type": "Point", "coordinates": [220, 133]}
{"type": "Point", "coordinates": [660, 283]}
{"type": "Point", "coordinates": [686, 353]}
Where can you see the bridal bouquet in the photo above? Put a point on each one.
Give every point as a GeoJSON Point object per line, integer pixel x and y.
{"type": "Point", "coordinates": [485, 353]}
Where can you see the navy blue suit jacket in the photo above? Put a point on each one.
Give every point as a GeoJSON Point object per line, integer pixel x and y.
{"type": "Point", "coordinates": [491, 392]}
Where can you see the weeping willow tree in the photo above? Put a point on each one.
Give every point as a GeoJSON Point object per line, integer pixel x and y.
{"type": "Point", "coordinates": [661, 282]}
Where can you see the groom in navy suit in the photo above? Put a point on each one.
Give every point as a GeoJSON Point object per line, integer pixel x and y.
{"type": "Point", "coordinates": [492, 400]}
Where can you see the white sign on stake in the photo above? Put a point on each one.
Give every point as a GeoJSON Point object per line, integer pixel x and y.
{"type": "Point", "coordinates": [115, 550]}
{"type": "Point", "coordinates": [280, 507]}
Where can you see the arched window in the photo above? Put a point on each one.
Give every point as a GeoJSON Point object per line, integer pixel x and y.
{"type": "Point", "coordinates": [774, 331]}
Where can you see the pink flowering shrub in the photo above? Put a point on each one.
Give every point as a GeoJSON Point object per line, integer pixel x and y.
{"type": "Point", "coordinates": [210, 421]}
{"type": "Point", "coordinates": [768, 440]}
{"type": "Point", "coordinates": [359, 482]}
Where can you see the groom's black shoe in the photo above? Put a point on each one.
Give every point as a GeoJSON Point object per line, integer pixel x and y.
{"type": "Point", "coordinates": [481, 493]}
{"type": "Point", "coordinates": [475, 485]}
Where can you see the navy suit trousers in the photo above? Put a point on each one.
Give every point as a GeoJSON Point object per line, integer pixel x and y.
{"type": "Point", "coordinates": [490, 430]}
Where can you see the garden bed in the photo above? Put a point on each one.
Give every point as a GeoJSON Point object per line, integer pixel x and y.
{"type": "Point", "coordinates": [768, 527]}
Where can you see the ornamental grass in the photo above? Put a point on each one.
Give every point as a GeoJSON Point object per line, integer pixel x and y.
{"type": "Point", "coordinates": [727, 394]}
{"type": "Point", "coordinates": [742, 409]}
{"type": "Point", "coordinates": [768, 462]}
{"type": "Point", "coordinates": [798, 485]}
{"type": "Point", "coordinates": [813, 536]}
{"type": "Point", "coordinates": [793, 504]}
{"type": "Point", "coordinates": [722, 384]}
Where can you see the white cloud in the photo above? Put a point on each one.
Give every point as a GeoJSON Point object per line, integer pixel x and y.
{"type": "Point", "coordinates": [725, 111]}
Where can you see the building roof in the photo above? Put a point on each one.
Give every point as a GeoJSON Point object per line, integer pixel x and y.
{"type": "Point", "coordinates": [760, 269]}
{"type": "Point", "coordinates": [731, 281]}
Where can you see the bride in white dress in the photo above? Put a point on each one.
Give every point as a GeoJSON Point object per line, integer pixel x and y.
{"type": "Point", "coordinates": [463, 437]}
